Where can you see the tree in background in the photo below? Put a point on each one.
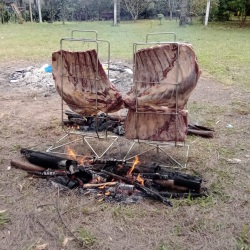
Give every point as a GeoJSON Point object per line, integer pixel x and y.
{"type": "Point", "coordinates": [135, 7]}
{"type": "Point", "coordinates": [198, 7]}
{"type": "Point", "coordinates": [241, 7]}
{"type": "Point", "coordinates": [183, 12]}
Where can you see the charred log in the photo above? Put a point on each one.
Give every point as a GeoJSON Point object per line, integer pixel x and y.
{"type": "Point", "coordinates": [46, 160]}
{"type": "Point", "coordinates": [178, 179]}
{"type": "Point", "coordinates": [151, 193]}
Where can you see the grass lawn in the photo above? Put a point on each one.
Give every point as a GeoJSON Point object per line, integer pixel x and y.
{"type": "Point", "coordinates": [223, 51]}
{"type": "Point", "coordinates": [34, 215]}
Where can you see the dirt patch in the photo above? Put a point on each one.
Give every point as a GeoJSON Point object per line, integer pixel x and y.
{"type": "Point", "coordinates": [38, 215]}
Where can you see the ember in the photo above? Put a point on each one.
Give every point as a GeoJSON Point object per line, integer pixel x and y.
{"type": "Point", "coordinates": [115, 124]}
{"type": "Point", "coordinates": [111, 179]}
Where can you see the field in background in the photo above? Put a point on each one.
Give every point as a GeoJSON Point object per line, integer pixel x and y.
{"type": "Point", "coordinates": [223, 51]}
{"type": "Point", "coordinates": [34, 215]}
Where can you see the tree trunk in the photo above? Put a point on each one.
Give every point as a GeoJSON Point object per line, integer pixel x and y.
{"type": "Point", "coordinates": [63, 13]}
{"type": "Point", "coordinates": [51, 12]}
{"type": "Point", "coordinates": [170, 6]}
{"type": "Point", "coordinates": [39, 11]}
{"type": "Point", "coordinates": [118, 11]}
{"type": "Point", "coordinates": [115, 13]}
{"type": "Point", "coordinates": [207, 12]}
{"type": "Point", "coordinates": [183, 13]}
{"type": "Point", "coordinates": [30, 9]}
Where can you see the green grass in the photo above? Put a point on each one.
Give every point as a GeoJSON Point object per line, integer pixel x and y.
{"type": "Point", "coordinates": [87, 238]}
{"type": "Point", "coordinates": [4, 218]}
{"type": "Point", "coordinates": [223, 51]}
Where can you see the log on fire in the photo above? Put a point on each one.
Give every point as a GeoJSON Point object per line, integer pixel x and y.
{"type": "Point", "coordinates": [151, 193]}
{"type": "Point", "coordinates": [46, 160]}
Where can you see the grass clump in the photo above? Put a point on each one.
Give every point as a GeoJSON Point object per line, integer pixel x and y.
{"type": "Point", "coordinates": [4, 218]}
{"type": "Point", "coordinates": [243, 241]}
{"type": "Point", "coordinates": [87, 237]}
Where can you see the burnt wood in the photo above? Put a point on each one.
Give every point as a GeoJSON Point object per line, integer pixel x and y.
{"type": "Point", "coordinates": [46, 160]}
{"type": "Point", "coordinates": [151, 193]}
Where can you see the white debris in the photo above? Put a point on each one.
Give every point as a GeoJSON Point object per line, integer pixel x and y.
{"type": "Point", "coordinates": [41, 79]}
{"type": "Point", "coordinates": [234, 161]}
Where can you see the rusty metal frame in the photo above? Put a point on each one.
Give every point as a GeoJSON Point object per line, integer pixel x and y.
{"type": "Point", "coordinates": [159, 146]}
{"type": "Point", "coordinates": [68, 133]}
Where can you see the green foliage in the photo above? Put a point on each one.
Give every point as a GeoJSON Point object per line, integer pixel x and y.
{"type": "Point", "coordinates": [199, 8]}
{"type": "Point", "coordinates": [223, 13]}
{"type": "Point", "coordinates": [243, 242]}
{"type": "Point", "coordinates": [4, 14]}
{"type": "Point", "coordinates": [4, 218]}
{"type": "Point", "coordinates": [87, 238]}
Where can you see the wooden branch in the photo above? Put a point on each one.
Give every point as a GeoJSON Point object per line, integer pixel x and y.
{"type": "Point", "coordinates": [94, 185]}
{"type": "Point", "coordinates": [26, 166]}
{"type": "Point", "coordinates": [206, 134]}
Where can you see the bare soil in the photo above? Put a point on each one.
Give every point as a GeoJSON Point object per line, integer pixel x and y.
{"type": "Point", "coordinates": [41, 218]}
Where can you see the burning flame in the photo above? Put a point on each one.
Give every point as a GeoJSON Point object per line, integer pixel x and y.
{"type": "Point", "coordinates": [140, 180]}
{"type": "Point", "coordinates": [97, 180]}
{"type": "Point", "coordinates": [71, 153]}
{"type": "Point", "coordinates": [73, 156]}
{"type": "Point", "coordinates": [136, 161]}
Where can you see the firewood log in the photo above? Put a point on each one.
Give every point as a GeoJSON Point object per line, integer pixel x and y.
{"type": "Point", "coordinates": [26, 166]}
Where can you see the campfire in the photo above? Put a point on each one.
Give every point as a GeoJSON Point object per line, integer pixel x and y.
{"type": "Point", "coordinates": [110, 179]}
{"type": "Point", "coordinates": [163, 78]}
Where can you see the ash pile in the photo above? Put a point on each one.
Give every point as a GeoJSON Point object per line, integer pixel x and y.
{"type": "Point", "coordinates": [112, 180]}
{"type": "Point", "coordinates": [34, 79]}
{"type": "Point", "coordinates": [41, 79]}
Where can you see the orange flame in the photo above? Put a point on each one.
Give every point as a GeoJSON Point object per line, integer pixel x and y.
{"type": "Point", "coordinates": [140, 180]}
{"type": "Point", "coordinates": [71, 153]}
{"type": "Point", "coordinates": [136, 161]}
{"type": "Point", "coordinates": [73, 156]}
